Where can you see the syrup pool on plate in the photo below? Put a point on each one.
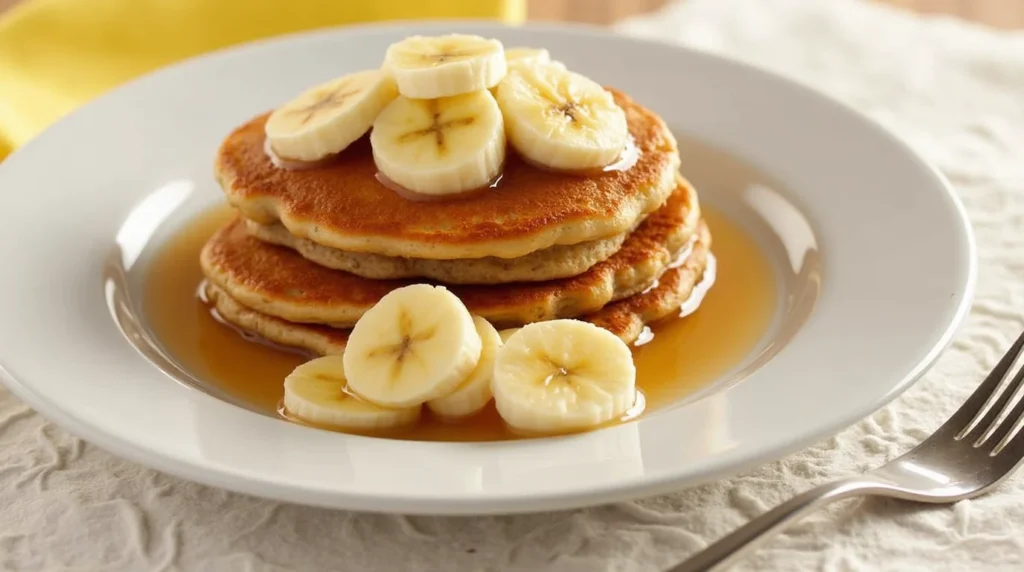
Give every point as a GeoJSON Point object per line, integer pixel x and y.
{"type": "Point", "coordinates": [679, 356]}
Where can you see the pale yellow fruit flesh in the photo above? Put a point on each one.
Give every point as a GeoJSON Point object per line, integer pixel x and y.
{"type": "Point", "coordinates": [474, 393]}
{"type": "Point", "coordinates": [563, 376]}
{"type": "Point", "coordinates": [416, 344]}
{"type": "Point", "coordinates": [317, 392]}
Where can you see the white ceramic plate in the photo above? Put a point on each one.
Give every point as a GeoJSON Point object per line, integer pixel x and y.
{"type": "Point", "coordinates": [894, 275]}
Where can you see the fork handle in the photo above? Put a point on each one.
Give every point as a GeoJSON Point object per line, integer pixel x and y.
{"type": "Point", "coordinates": [726, 551]}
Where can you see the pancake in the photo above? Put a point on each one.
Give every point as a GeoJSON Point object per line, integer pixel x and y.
{"type": "Point", "coordinates": [554, 262]}
{"type": "Point", "coordinates": [679, 290]}
{"type": "Point", "coordinates": [344, 206]}
{"type": "Point", "coordinates": [279, 282]}
{"type": "Point", "coordinates": [625, 318]}
{"type": "Point", "coordinates": [321, 340]}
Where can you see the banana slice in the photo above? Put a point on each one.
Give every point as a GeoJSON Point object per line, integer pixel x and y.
{"type": "Point", "coordinates": [442, 66]}
{"type": "Point", "coordinates": [474, 393]}
{"type": "Point", "coordinates": [418, 343]}
{"type": "Point", "coordinates": [562, 376]}
{"type": "Point", "coordinates": [440, 146]}
{"type": "Point", "coordinates": [560, 119]}
{"type": "Point", "coordinates": [316, 392]}
{"type": "Point", "coordinates": [526, 57]}
{"type": "Point", "coordinates": [507, 333]}
{"type": "Point", "coordinates": [327, 118]}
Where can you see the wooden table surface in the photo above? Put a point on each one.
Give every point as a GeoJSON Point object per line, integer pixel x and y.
{"type": "Point", "coordinates": [998, 13]}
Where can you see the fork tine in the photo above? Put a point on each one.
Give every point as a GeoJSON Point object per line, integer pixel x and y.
{"type": "Point", "coordinates": [980, 403]}
{"type": "Point", "coordinates": [1011, 445]}
{"type": "Point", "coordinates": [997, 415]}
{"type": "Point", "coordinates": [1002, 432]}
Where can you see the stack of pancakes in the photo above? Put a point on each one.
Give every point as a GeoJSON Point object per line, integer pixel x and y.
{"type": "Point", "coordinates": [313, 249]}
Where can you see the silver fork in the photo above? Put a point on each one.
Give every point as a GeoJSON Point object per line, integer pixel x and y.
{"type": "Point", "coordinates": [972, 452]}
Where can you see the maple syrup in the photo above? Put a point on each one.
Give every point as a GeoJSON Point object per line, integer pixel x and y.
{"type": "Point", "coordinates": [675, 358]}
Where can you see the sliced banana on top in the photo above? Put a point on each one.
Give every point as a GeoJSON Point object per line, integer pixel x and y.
{"type": "Point", "coordinates": [526, 57]}
{"type": "Point", "coordinates": [440, 146]}
{"type": "Point", "coordinates": [474, 393]}
{"type": "Point", "coordinates": [562, 376]}
{"type": "Point", "coordinates": [316, 392]}
{"type": "Point", "coordinates": [327, 118]}
{"type": "Point", "coordinates": [560, 119]}
{"type": "Point", "coordinates": [442, 66]}
{"type": "Point", "coordinates": [416, 344]}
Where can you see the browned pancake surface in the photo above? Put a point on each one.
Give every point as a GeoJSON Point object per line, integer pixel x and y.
{"type": "Point", "coordinates": [625, 318]}
{"type": "Point", "coordinates": [278, 281]}
{"type": "Point", "coordinates": [321, 340]}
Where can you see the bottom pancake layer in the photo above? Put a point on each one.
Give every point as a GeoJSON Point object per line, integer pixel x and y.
{"type": "Point", "coordinates": [678, 289]}
{"type": "Point", "coordinates": [320, 340]}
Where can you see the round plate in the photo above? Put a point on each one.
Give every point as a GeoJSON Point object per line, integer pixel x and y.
{"type": "Point", "coordinates": [894, 276]}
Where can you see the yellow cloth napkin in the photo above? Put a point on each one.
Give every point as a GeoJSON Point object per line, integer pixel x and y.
{"type": "Point", "coordinates": [57, 54]}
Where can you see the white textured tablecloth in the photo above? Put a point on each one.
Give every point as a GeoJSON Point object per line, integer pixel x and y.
{"type": "Point", "coordinates": [954, 91]}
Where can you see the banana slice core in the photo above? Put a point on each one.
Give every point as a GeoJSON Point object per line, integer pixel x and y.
{"type": "Point", "coordinates": [443, 66]}
{"type": "Point", "coordinates": [561, 120]}
{"type": "Point", "coordinates": [563, 376]}
{"type": "Point", "coordinates": [440, 146]}
{"type": "Point", "coordinates": [327, 118]}
{"type": "Point", "coordinates": [416, 344]}
{"type": "Point", "coordinates": [317, 392]}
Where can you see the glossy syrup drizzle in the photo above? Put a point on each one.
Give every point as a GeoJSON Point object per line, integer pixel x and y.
{"type": "Point", "coordinates": [629, 157]}
{"type": "Point", "coordinates": [673, 358]}
{"type": "Point", "coordinates": [295, 164]}
{"type": "Point", "coordinates": [422, 197]}
{"type": "Point", "coordinates": [626, 160]}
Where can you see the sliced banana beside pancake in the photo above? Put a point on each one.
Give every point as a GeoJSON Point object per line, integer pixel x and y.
{"type": "Point", "coordinates": [428, 67]}
{"type": "Point", "coordinates": [416, 344]}
{"type": "Point", "coordinates": [560, 119]}
{"type": "Point", "coordinates": [317, 392]}
{"type": "Point", "coordinates": [440, 146]}
{"type": "Point", "coordinates": [474, 393]}
{"type": "Point", "coordinates": [562, 376]}
{"type": "Point", "coordinates": [326, 119]}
